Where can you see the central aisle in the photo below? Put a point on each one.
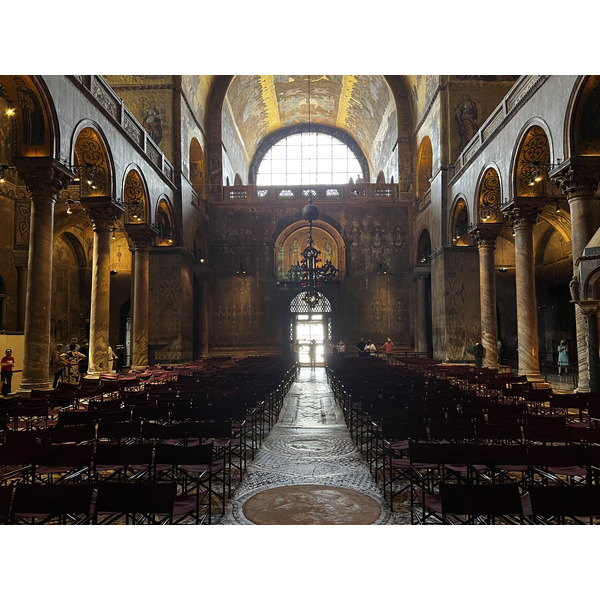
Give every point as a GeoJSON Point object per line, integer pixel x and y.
{"type": "Point", "coordinates": [308, 470]}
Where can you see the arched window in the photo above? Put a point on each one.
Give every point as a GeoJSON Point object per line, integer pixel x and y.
{"type": "Point", "coordinates": [308, 158]}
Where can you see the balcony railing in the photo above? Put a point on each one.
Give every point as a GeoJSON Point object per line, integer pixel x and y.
{"type": "Point", "coordinates": [360, 192]}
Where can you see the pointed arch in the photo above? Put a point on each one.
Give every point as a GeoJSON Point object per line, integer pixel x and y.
{"type": "Point", "coordinates": [459, 223]}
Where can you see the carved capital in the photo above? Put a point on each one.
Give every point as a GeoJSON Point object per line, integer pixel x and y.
{"type": "Point", "coordinates": [43, 177]}
{"type": "Point", "coordinates": [577, 177]}
{"type": "Point", "coordinates": [104, 211]}
{"type": "Point", "coordinates": [141, 235]}
{"type": "Point", "coordinates": [421, 272]}
{"type": "Point", "coordinates": [522, 217]}
{"type": "Point", "coordinates": [485, 235]}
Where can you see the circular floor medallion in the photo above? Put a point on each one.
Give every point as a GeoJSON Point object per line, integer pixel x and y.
{"type": "Point", "coordinates": [311, 505]}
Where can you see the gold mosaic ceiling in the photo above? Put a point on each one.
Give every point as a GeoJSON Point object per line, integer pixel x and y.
{"type": "Point", "coordinates": [362, 105]}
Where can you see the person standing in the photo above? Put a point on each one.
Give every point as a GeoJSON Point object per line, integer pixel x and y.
{"type": "Point", "coordinates": [57, 364]}
{"type": "Point", "coordinates": [312, 354]}
{"type": "Point", "coordinates": [361, 345]}
{"type": "Point", "coordinates": [295, 348]}
{"type": "Point", "coordinates": [85, 361]}
{"type": "Point", "coordinates": [341, 348]}
{"type": "Point", "coordinates": [563, 357]}
{"type": "Point", "coordinates": [71, 359]}
{"type": "Point", "coordinates": [388, 349]}
{"type": "Point", "coordinates": [371, 348]}
{"type": "Point", "coordinates": [6, 372]}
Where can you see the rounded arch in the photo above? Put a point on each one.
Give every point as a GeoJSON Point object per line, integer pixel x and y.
{"type": "Point", "coordinates": [92, 161]}
{"type": "Point", "coordinates": [200, 247]}
{"type": "Point", "coordinates": [33, 115]}
{"type": "Point", "coordinates": [284, 132]}
{"type": "Point", "coordinates": [459, 223]}
{"type": "Point", "coordinates": [299, 304]}
{"type": "Point", "coordinates": [582, 132]}
{"type": "Point", "coordinates": [197, 168]}
{"type": "Point", "coordinates": [489, 196]}
{"type": "Point", "coordinates": [323, 233]}
{"type": "Point", "coordinates": [532, 155]}
{"type": "Point", "coordinates": [424, 166]}
{"type": "Point", "coordinates": [135, 196]}
{"type": "Point", "coordinates": [164, 222]}
{"type": "Point", "coordinates": [73, 242]}
{"type": "Point", "coordinates": [424, 248]}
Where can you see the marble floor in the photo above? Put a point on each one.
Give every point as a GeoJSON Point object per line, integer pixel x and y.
{"type": "Point", "coordinates": [308, 470]}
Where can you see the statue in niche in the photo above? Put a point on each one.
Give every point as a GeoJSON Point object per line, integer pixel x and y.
{"type": "Point", "coordinates": [466, 116]}
{"type": "Point", "coordinates": [31, 111]}
{"type": "Point", "coordinates": [405, 175]}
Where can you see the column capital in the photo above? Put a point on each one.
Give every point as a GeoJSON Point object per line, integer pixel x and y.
{"type": "Point", "coordinates": [577, 177]}
{"type": "Point", "coordinates": [142, 235]}
{"type": "Point", "coordinates": [523, 216]}
{"type": "Point", "coordinates": [485, 235]}
{"type": "Point", "coordinates": [104, 211]}
{"type": "Point", "coordinates": [43, 176]}
{"type": "Point", "coordinates": [421, 272]}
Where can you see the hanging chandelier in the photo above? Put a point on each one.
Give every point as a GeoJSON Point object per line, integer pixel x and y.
{"type": "Point", "coordinates": [313, 274]}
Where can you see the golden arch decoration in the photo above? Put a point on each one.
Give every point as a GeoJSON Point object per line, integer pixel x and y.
{"type": "Point", "coordinates": [489, 198]}
{"type": "Point", "coordinates": [294, 239]}
{"type": "Point", "coordinates": [135, 198]}
{"type": "Point", "coordinates": [91, 158]}
{"type": "Point", "coordinates": [586, 126]}
{"type": "Point", "coordinates": [531, 178]}
{"type": "Point", "coordinates": [27, 110]}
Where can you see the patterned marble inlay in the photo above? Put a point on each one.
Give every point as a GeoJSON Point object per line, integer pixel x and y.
{"type": "Point", "coordinates": [310, 446]}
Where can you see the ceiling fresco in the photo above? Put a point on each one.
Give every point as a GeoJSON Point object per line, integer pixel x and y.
{"type": "Point", "coordinates": [362, 105]}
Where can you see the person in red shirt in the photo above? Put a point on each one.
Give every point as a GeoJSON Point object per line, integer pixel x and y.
{"type": "Point", "coordinates": [7, 364]}
{"type": "Point", "coordinates": [388, 348]}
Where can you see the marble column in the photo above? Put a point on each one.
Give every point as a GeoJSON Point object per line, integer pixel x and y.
{"type": "Point", "coordinates": [104, 212]}
{"type": "Point", "coordinates": [578, 179]}
{"type": "Point", "coordinates": [204, 316]}
{"type": "Point", "coordinates": [44, 179]}
{"type": "Point", "coordinates": [589, 310]}
{"type": "Point", "coordinates": [486, 235]}
{"type": "Point", "coordinates": [21, 258]}
{"type": "Point", "coordinates": [523, 219]}
{"type": "Point", "coordinates": [142, 237]}
{"type": "Point", "coordinates": [421, 274]}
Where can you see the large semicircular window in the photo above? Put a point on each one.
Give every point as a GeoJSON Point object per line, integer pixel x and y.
{"type": "Point", "coordinates": [308, 158]}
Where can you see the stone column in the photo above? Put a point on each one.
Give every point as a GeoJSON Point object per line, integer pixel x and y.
{"type": "Point", "coordinates": [523, 219]}
{"type": "Point", "coordinates": [589, 310]}
{"type": "Point", "coordinates": [421, 274]}
{"type": "Point", "coordinates": [486, 235]}
{"type": "Point", "coordinates": [142, 237]}
{"type": "Point", "coordinates": [104, 212]}
{"type": "Point", "coordinates": [204, 316]}
{"type": "Point", "coordinates": [44, 179]}
{"type": "Point", "coordinates": [578, 179]}
{"type": "Point", "coordinates": [21, 259]}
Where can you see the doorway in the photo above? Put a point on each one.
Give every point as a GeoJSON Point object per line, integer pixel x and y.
{"type": "Point", "coordinates": [307, 328]}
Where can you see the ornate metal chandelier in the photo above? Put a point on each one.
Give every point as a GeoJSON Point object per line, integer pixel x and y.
{"type": "Point", "coordinates": [313, 274]}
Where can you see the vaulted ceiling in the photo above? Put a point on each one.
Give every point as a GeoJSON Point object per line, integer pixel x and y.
{"type": "Point", "coordinates": [259, 105]}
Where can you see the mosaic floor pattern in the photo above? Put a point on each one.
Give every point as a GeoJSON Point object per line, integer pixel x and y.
{"type": "Point", "coordinates": [308, 470]}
